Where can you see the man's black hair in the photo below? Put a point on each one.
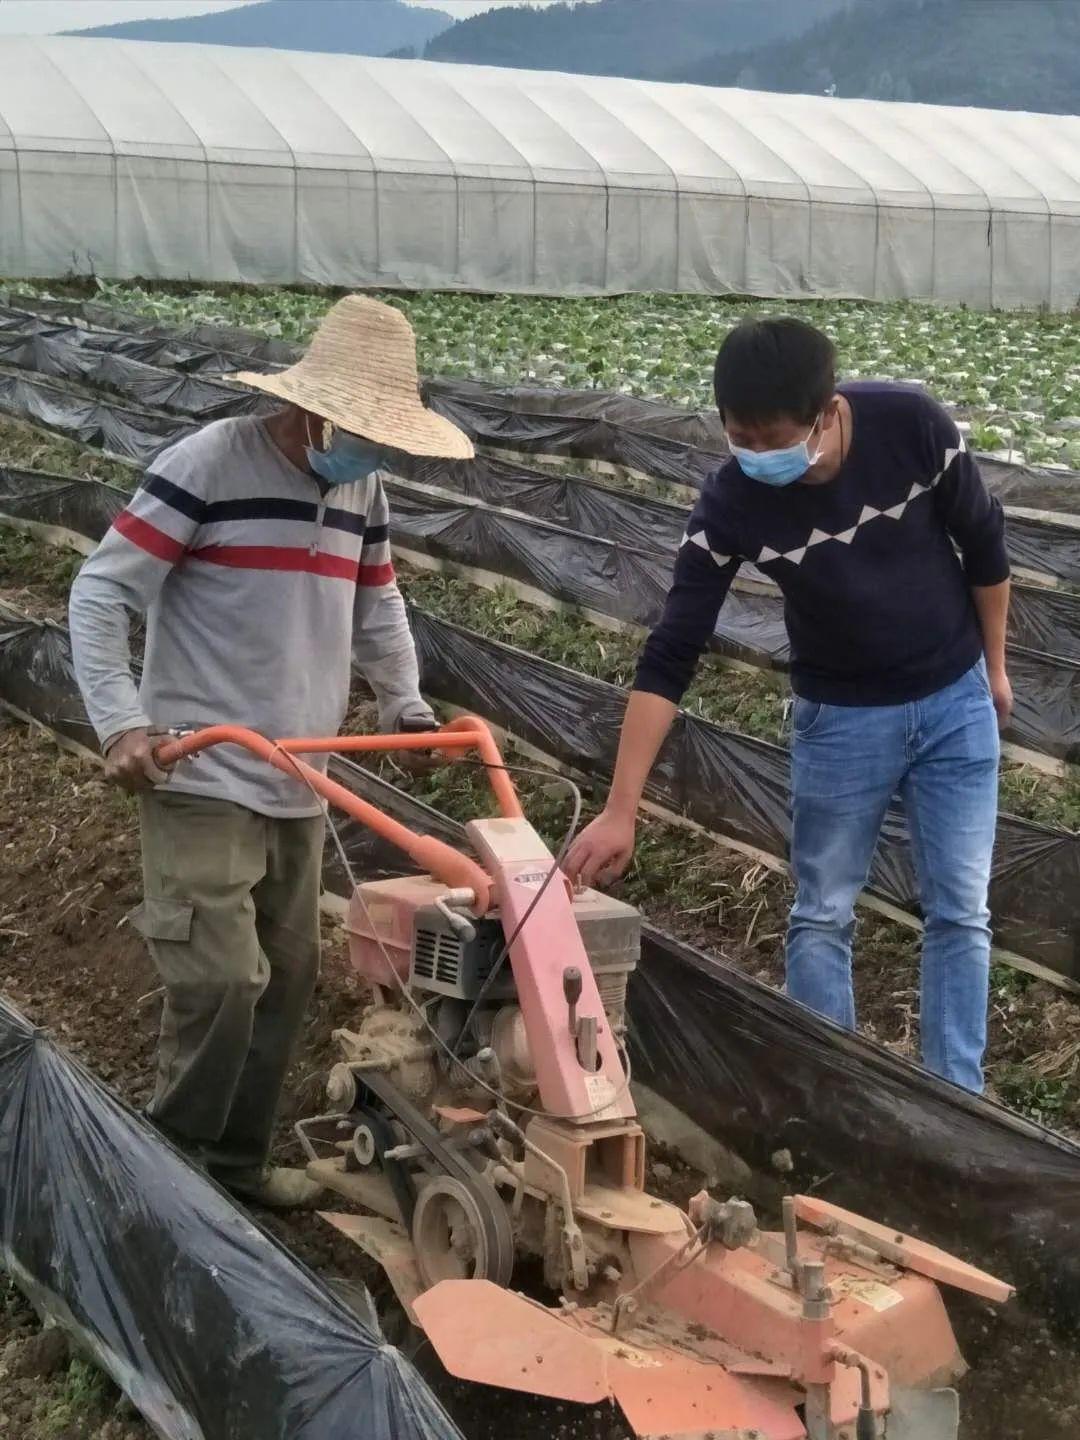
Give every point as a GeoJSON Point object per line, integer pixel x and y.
{"type": "Point", "coordinates": [774, 369]}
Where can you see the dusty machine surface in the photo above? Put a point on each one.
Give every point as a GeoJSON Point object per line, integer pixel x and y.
{"type": "Point", "coordinates": [481, 1118]}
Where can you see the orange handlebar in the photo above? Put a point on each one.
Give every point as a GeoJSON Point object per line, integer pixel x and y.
{"type": "Point", "coordinates": [457, 871]}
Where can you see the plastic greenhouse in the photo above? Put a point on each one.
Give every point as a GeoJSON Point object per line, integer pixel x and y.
{"type": "Point", "coordinates": [215, 163]}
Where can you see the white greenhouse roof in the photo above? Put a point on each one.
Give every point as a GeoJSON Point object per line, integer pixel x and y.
{"type": "Point", "coordinates": [219, 163]}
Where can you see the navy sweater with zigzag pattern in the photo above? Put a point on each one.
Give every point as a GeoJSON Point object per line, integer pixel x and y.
{"type": "Point", "coordinates": [877, 599]}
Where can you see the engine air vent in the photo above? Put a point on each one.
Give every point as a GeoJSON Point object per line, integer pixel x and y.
{"type": "Point", "coordinates": [448, 964]}
{"type": "Point", "coordinates": [437, 957]}
{"type": "Point", "coordinates": [425, 954]}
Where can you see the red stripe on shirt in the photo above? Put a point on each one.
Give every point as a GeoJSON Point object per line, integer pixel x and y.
{"type": "Point", "coordinates": [376, 574]}
{"type": "Point", "coordinates": [148, 537]}
{"type": "Point", "coordinates": [279, 557]}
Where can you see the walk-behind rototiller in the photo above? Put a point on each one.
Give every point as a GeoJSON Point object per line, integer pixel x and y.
{"type": "Point", "coordinates": [483, 1123]}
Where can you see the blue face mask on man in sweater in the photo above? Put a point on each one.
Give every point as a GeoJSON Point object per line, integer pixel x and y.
{"type": "Point", "coordinates": [779, 467]}
{"type": "Point", "coordinates": [348, 458]}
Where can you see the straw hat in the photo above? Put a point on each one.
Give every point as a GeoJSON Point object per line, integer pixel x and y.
{"type": "Point", "coordinates": [359, 372]}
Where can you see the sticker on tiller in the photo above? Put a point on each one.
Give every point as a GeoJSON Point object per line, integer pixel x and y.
{"type": "Point", "coordinates": [600, 1090]}
{"type": "Point", "coordinates": [879, 1297]}
{"type": "Point", "coordinates": [532, 878]}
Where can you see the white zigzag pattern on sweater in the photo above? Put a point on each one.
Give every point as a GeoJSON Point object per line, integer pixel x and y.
{"type": "Point", "coordinates": [818, 537]}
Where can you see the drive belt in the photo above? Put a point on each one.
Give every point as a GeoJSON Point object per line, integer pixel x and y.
{"type": "Point", "coordinates": [498, 1232]}
{"type": "Point", "coordinates": [396, 1171]}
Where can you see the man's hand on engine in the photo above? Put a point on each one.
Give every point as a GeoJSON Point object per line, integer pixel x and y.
{"type": "Point", "coordinates": [603, 850]}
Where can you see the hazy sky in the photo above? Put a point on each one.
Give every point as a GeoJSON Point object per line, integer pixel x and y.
{"type": "Point", "coordinates": [44, 17]}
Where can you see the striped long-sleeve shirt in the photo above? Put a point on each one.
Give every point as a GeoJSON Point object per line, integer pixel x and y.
{"type": "Point", "coordinates": [258, 591]}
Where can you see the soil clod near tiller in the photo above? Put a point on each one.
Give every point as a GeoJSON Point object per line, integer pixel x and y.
{"type": "Point", "coordinates": [481, 1119]}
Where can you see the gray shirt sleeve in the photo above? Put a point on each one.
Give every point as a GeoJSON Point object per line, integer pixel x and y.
{"type": "Point", "coordinates": [383, 648]}
{"type": "Point", "coordinates": [122, 579]}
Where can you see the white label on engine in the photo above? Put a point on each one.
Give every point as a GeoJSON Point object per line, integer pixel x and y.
{"type": "Point", "coordinates": [531, 878]}
{"type": "Point", "coordinates": [600, 1091]}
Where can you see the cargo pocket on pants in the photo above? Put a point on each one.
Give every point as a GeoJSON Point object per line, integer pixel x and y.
{"type": "Point", "coordinates": [165, 924]}
{"type": "Point", "coordinates": [164, 920]}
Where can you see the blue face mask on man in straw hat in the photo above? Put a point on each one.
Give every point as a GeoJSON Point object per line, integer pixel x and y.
{"type": "Point", "coordinates": [346, 459]}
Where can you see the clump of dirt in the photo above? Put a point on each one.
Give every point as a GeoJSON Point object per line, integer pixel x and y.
{"type": "Point", "coordinates": [1025, 1384]}
{"type": "Point", "coordinates": [46, 1392]}
{"type": "Point", "coordinates": [69, 878]}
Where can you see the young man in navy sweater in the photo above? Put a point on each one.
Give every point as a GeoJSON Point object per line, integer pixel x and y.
{"type": "Point", "coordinates": [856, 500]}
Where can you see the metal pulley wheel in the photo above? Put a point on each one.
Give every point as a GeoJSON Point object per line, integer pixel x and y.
{"type": "Point", "coordinates": [462, 1227]}
{"type": "Point", "coordinates": [451, 1235]}
{"type": "Point", "coordinates": [364, 1147]}
{"type": "Point", "coordinates": [341, 1087]}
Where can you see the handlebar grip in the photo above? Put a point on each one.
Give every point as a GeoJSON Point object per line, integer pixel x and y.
{"type": "Point", "coordinates": [167, 754]}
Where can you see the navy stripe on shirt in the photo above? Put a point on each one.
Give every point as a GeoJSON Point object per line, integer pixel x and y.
{"type": "Point", "coordinates": [258, 508]}
{"type": "Point", "coordinates": [176, 498]}
{"type": "Point", "coordinates": [275, 508]}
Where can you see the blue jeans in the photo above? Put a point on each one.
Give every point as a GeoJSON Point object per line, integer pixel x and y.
{"type": "Point", "coordinates": [941, 756]}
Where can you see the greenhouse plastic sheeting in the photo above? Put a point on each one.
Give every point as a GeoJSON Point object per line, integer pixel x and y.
{"type": "Point", "coordinates": [625, 584]}
{"type": "Point", "coordinates": [205, 1321]}
{"type": "Point", "coordinates": [1046, 704]}
{"type": "Point", "coordinates": [664, 441]}
{"type": "Point", "coordinates": [73, 355]}
{"type": "Point", "coordinates": [679, 446]}
{"type": "Point", "coordinates": [1042, 546]}
{"type": "Point", "coordinates": [728, 783]}
{"type": "Point", "coordinates": [562, 499]}
{"type": "Point", "coordinates": [368, 854]}
{"type": "Point", "coordinates": [631, 583]}
{"type": "Point", "coordinates": [81, 509]}
{"type": "Point", "coordinates": [144, 368]}
{"type": "Point", "coordinates": [747, 627]}
{"type": "Point", "coordinates": [265, 166]}
{"type": "Point", "coordinates": [739, 787]}
{"type": "Point", "coordinates": [135, 435]}
{"type": "Point", "coordinates": [196, 349]}
{"type": "Point", "coordinates": [628, 585]}
{"type": "Point", "coordinates": [891, 1141]}
{"type": "Point", "coordinates": [1046, 621]}
{"type": "Point", "coordinates": [210, 338]}
{"type": "Point", "coordinates": [667, 443]}
{"type": "Point", "coordinates": [38, 678]}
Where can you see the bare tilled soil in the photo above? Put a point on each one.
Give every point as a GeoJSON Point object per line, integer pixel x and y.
{"type": "Point", "coordinates": [71, 962]}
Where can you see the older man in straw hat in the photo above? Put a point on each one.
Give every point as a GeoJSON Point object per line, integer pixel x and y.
{"type": "Point", "coordinates": [258, 550]}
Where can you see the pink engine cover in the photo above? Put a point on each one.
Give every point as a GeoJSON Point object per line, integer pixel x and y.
{"type": "Point", "coordinates": [387, 911]}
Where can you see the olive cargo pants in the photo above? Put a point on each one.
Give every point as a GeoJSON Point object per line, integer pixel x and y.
{"type": "Point", "coordinates": [231, 915]}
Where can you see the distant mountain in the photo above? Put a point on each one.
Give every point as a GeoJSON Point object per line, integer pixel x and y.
{"type": "Point", "coordinates": [645, 38]}
{"type": "Point", "coordinates": [1001, 54]}
{"type": "Point", "coordinates": [357, 27]}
